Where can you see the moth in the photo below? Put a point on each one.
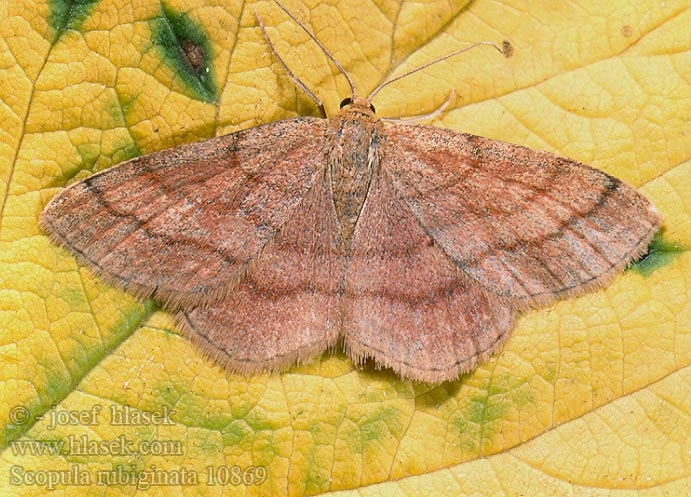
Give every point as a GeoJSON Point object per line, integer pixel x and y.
{"type": "Point", "coordinates": [414, 245]}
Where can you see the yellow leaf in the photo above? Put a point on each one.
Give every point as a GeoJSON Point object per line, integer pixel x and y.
{"type": "Point", "coordinates": [589, 397]}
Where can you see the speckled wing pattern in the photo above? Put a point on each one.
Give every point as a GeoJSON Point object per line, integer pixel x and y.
{"type": "Point", "coordinates": [459, 233]}
{"type": "Point", "coordinates": [526, 225]}
{"type": "Point", "coordinates": [287, 306]}
{"type": "Point", "coordinates": [182, 224]}
{"type": "Point", "coordinates": [240, 237]}
{"type": "Point", "coordinates": [407, 304]}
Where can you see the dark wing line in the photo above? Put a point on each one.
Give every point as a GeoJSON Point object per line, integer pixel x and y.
{"type": "Point", "coordinates": [557, 224]}
{"type": "Point", "coordinates": [406, 304]}
{"type": "Point", "coordinates": [142, 223]}
{"type": "Point", "coordinates": [288, 305]}
{"type": "Point", "coordinates": [416, 216]}
{"type": "Point", "coordinates": [560, 225]}
{"type": "Point", "coordinates": [135, 223]}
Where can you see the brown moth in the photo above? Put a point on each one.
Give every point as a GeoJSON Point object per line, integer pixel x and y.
{"type": "Point", "coordinates": [415, 245]}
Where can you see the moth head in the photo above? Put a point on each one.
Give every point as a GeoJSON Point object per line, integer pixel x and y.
{"type": "Point", "coordinates": [357, 105]}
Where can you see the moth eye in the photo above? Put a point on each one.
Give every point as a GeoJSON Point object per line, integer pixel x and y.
{"type": "Point", "coordinates": [371, 107]}
{"type": "Point", "coordinates": [346, 101]}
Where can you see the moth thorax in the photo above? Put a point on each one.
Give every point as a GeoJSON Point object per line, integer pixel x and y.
{"type": "Point", "coordinates": [352, 161]}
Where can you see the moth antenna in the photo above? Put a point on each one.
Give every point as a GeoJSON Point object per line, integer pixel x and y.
{"type": "Point", "coordinates": [425, 66]}
{"type": "Point", "coordinates": [429, 115]}
{"type": "Point", "coordinates": [295, 79]}
{"type": "Point", "coordinates": [323, 48]}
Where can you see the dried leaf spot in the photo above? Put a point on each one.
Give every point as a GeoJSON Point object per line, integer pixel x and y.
{"type": "Point", "coordinates": [192, 55]}
{"type": "Point", "coordinates": [185, 48]}
{"type": "Point", "coordinates": [507, 49]}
